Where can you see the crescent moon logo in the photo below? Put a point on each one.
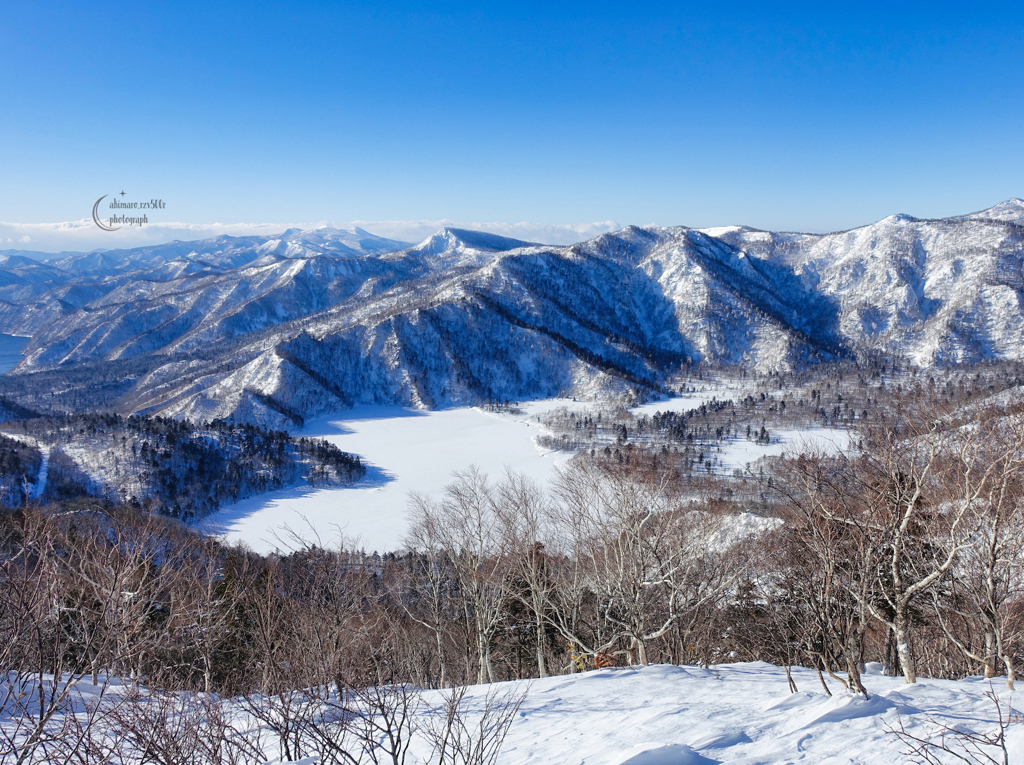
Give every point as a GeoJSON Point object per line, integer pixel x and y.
{"type": "Point", "coordinates": [96, 219]}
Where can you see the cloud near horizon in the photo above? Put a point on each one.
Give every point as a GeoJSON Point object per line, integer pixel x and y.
{"type": "Point", "coordinates": [84, 236]}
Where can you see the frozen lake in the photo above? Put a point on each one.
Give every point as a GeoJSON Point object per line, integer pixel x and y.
{"type": "Point", "coordinates": [404, 450]}
{"type": "Point", "coordinates": [738, 453]}
{"type": "Point", "coordinates": [407, 450]}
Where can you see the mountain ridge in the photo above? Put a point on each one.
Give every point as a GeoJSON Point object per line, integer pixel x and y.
{"type": "Point", "coordinates": [467, 316]}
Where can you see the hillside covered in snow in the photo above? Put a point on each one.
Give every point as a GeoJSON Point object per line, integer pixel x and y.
{"type": "Point", "coordinates": [276, 331]}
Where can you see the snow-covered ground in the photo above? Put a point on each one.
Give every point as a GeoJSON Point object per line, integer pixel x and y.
{"type": "Point", "coordinates": [742, 714]}
{"type": "Point", "coordinates": [740, 454]}
{"type": "Point", "coordinates": [44, 471]}
{"type": "Point", "coordinates": [738, 713]}
{"type": "Point", "coordinates": [704, 391]}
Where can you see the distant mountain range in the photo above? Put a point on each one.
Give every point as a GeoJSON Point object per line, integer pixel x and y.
{"type": "Point", "coordinates": [273, 330]}
{"type": "Point", "coordinates": [217, 252]}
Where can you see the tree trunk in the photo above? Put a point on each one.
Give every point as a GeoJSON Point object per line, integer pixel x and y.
{"type": "Point", "coordinates": [890, 654]}
{"type": "Point", "coordinates": [487, 662]}
{"type": "Point", "coordinates": [789, 678]}
{"type": "Point", "coordinates": [641, 651]}
{"type": "Point", "coordinates": [990, 654]}
{"type": "Point", "coordinates": [440, 657]}
{"type": "Point", "coordinates": [901, 629]}
{"type": "Point", "coordinates": [1010, 674]}
{"type": "Point", "coordinates": [481, 659]}
{"type": "Point", "coordinates": [485, 670]}
{"type": "Point", "coordinates": [853, 644]}
{"type": "Point", "coordinates": [542, 669]}
{"type": "Point", "coordinates": [821, 677]}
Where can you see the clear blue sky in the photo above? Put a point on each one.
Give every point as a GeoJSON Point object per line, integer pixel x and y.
{"type": "Point", "coordinates": [803, 117]}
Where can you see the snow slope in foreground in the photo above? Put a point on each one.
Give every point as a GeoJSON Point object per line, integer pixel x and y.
{"type": "Point", "coordinates": [737, 714]}
{"type": "Point", "coordinates": [741, 714]}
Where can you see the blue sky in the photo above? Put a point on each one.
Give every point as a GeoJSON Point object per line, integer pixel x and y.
{"type": "Point", "coordinates": [802, 117]}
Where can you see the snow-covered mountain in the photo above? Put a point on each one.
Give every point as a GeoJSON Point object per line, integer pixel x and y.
{"type": "Point", "coordinates": [223, 252]}
{"type": "Point", "coordinates": [935, 291]}
{"type": "Point", "coordinates": [308, 323]}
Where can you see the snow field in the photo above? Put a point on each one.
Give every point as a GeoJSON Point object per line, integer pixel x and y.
{"type": "Point", "coordinates": [740, 453]}
{"type": "Point", "coordinates": [705, 393]}
{"type": "Point", "coordinates": [740, 714]}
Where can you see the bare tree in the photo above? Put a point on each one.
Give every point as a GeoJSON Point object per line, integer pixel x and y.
{"type": "Point", "coordinates": [903, 512]}
{"type": "Point", "coordinates": [960, 743]}
{"type": "Point", "coordinates": [835, 568]}
{"type": "Point", "coordinates": [990, 576]}
{"type": "Point", "coordinates": [526, 513]}
{"type": "Point", "coordinates": [176, 728]}
{"type": "Point", "coordinates": [931, 479]}
{"type": "Point", "coordinates": [431, 600]}
{"type": "Point", "coordinates": [49, 614]}
{"type": "Point", "coordinates": [466, 526]}
{"type": "Point", "coordinates": [457, 740]}
{"type": "Point", "coordinates": [650, 564]}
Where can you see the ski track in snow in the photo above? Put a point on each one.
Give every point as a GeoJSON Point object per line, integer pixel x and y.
{"type": "Point", "coordinates": [44, 464]}
{"type": "Point", "coordinates": [408, 450]}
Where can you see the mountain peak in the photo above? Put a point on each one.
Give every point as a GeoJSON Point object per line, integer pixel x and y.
{"type": "Point", "coordinates": [899, 218]}
{"type": "Point", "coordinates": [1011, 211]}
{"type": "Point", "coordinates": [454, 239]}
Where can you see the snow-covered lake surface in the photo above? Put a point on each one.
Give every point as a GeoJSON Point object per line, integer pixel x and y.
{"type": "Point", "coordinates": [405, 450]}
{"type": "Point", "coordinates": [11, 348]}
{"type": "Point", "coordinates": [740, 453]}
{"type": "Point", "coordinates": [408, 450]}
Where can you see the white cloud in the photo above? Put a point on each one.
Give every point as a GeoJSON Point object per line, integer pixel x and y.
{"type": "Point", "coordinates": [84, 235]}
{"type": "Point", "coordinates": [544, 233]}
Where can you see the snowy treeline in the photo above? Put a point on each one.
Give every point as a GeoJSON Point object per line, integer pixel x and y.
{"type": "Point", "coordinates": [835, 395]}
{"type": "Point", "coordinates": [731, 411]}
{"type": "Point", "coordinates": [172, 467]}
{"type": "Point", "coordinates": [19, 465]}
